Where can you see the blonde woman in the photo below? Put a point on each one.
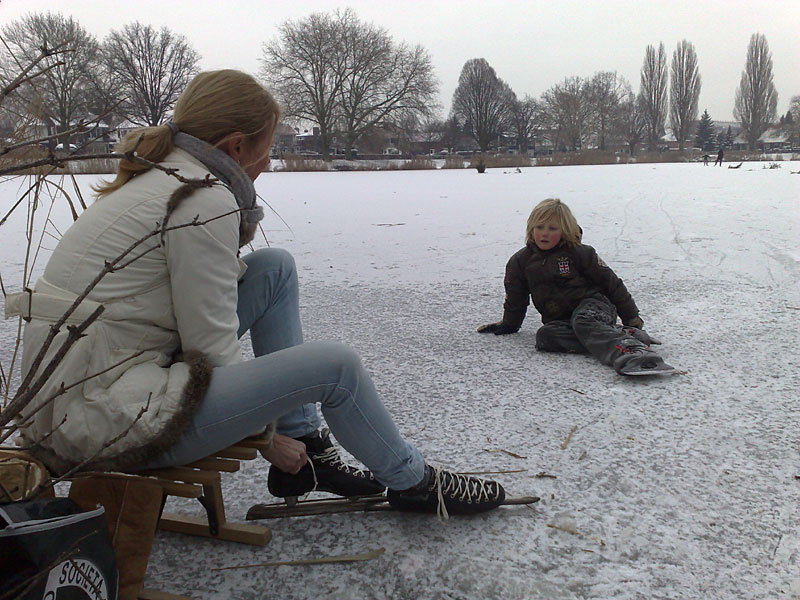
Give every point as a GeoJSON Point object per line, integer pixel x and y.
{"type": "Point", "coordinates": [159, 377]}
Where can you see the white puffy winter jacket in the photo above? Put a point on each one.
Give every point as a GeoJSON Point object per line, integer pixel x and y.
{"type": "Point", "coordinates": [177, 296]}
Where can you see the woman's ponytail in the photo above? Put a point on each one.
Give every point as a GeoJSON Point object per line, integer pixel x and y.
{"type": "Point", "coordinates": [150, 143]}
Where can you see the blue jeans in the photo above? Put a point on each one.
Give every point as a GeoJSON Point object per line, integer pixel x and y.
{"type": "Point", "coordinates": [287, 378]}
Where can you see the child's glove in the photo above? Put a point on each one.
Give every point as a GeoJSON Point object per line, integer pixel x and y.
{"type": "Point", "coordinates": [635, 322]}
{"type": "Point", "coordinates": [498, 328]}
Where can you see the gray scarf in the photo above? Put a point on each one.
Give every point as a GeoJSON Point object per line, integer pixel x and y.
{"type": "Point", "coordinates": [224, 168]}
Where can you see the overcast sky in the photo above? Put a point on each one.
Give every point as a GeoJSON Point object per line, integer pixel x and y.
{"type": "Point", "coordinates": [531, 44]}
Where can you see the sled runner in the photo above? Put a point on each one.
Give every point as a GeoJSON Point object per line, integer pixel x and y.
{"type": "Point", "coordinates": [378, 502]}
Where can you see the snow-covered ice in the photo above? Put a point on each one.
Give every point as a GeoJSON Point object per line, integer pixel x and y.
{"type": "Point", "coordinates": [674, 487]}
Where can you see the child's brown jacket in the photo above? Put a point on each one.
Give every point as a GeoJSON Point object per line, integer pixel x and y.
{"type": "Point", "coordinates": [557, 280]}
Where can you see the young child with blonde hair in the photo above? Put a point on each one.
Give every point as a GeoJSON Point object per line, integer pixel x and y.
{"type": "Point", "coordinates": [577, 294]}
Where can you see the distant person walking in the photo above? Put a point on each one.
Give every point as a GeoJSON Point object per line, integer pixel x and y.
{"type": "Point", "coordinates": [705, 159]}
{"type": "Point", "coordinates": [720, 154]}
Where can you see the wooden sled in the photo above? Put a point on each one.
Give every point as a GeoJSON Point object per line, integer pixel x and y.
{"type": "Point", "coordinates": [135, 502]}
{"type": "Point", "coordinates": [203, 480]}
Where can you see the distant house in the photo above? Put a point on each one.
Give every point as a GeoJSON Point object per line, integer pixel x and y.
{"type": "Point", "coordinates": [307, 142]}
{"type": "Point", "coordinates": [668, 142]}
{"type": "Point", "coordinates": [284, 138]}
{"type": "Point", "coordinates": [774, 138]}
{"type": "Point", "coordinates": [424, 143]}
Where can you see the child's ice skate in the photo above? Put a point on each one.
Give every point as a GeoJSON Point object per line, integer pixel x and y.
{"type": "Point", "coordinates": [637, 359]}
{"type": "Point", "coordinates": [325, 472]}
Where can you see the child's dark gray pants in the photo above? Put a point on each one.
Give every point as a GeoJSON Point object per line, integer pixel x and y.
{"type": "Point", "coordinates": [592, 329]}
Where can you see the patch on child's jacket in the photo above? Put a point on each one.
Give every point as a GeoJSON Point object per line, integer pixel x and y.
{"type": "Point", "coordinates": [600, 262]}
{"type": "Point", "coordinates": [563, 265]}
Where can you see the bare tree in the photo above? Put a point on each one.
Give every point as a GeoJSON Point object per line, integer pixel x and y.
{"type": "Point", "coordinates": [482, 101]}
{"type": "Point", "coordinates": [606, 91]}
{"type": "Point", "coordinates": [653, 89]}
{"type": "Point", "coordinates": [525, 118]}
{"type": "Point", "coordinates": [64, 91]}
{"type": "Point", "coordinates": [303, 67]}
{"type": "Point", "coordinates": [151, 68]}
{"type": "Point", "coordinates": [447, 134]}
{"type": "Point", "coordinates": [569, 112]}
{"type": "Point", "coordinates": [756, 98]}
{"type": "Point", "coordinates": [794, 110]}
{"type": "Point", "coordinates": [684, 92]}
{"type": "Point", "coordinates": [631, 124]}
{"type": "Point", "coordinates": [382, 82]}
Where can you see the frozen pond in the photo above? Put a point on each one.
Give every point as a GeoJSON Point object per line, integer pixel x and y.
{"type": "Point", "coordinates": [680, 487]}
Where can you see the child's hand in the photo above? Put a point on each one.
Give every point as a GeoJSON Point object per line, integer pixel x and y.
{"type": "Point", "coordinates": [499, 328]}
{"type": "Point", "coordinates": [635, 322]}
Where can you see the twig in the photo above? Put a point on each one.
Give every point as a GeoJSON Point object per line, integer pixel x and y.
{"type": "Point", "coordinates": [576, 532]}
{"type": "Point", "coordinates": [26, 586]}
{"type": "Point", "coordinates": [345, 558]}
{"type": "Point", "coordinates": [108, 444]}
{"type": "Point", "coordinates": [23, 76]}
{"type": "Point", "coordinates": [564, 529]}
{"type": "Point", "coordinates": [504, 452]}
{"type": "Point", "coordinates": [492, 472]}
{"type": "Point", "coordinates": [64, 388]}
{"type": "Point", "coordinates": [15, 427]}
{"type": "Point", "coordinates": [543, 475]}
{"type": "Point", "coordinates": [130, 155]}
{"type": "Point", "coordinates": [25, 394]}
{"type": "Point", "coordinates": [569, 437]}
{"type": "Point", "coordinates": [28, 389]}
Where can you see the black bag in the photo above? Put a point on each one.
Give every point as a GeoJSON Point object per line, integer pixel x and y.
{"type": "Point", "coordinates": [51, 550]}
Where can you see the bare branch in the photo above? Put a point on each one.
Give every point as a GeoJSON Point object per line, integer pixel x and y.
{"type": "Point", "coordinates": [107, 444]}
{"type": "Point", "coordinates": [24, 76]}
{"type": "Point", "coordinates": [28, 388]}
{"type": "Point", "coordinates": [62, 389]}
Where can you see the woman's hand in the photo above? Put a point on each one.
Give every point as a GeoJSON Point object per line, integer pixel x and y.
{"type": "Point", "coordinates": [286, 453]}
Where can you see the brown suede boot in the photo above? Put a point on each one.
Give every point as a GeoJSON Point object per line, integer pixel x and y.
{"type": "Point", "coordinates": [132, 512]}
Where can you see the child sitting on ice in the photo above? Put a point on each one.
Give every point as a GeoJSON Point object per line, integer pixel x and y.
{"type": "Point", "coordinates": [577, 294]}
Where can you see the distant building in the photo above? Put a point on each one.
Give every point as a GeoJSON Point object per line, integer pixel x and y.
{"type": "Point", "coordinates": [774, 138]}
{"type": "Point", "coordinates": [307, 142]}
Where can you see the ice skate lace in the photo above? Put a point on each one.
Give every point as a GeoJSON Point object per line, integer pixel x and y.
{"type": "Point", "coordinates": [461, 487]}
{"type": "Point", "coordinates": [331, 456]}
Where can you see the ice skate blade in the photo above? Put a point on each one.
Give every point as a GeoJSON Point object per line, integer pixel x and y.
{"type": "Point", "coordinates": [656, 371]}
{"type": "Point", "coordinates": [341, 505]}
